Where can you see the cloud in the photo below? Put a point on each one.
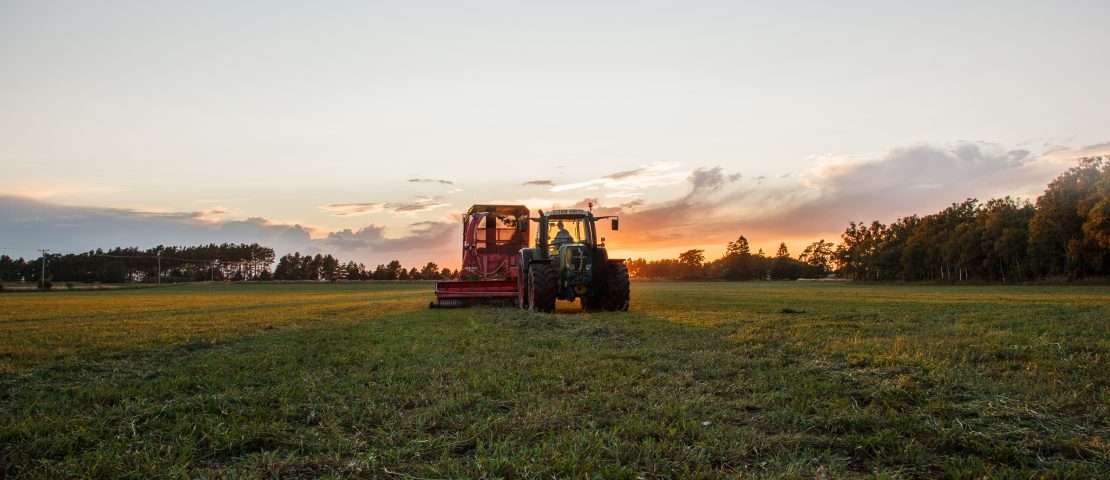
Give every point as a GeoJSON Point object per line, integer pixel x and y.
{"type": "Point", "coordinates": [28, 223]}
{"type": "Point", "coordinates": [353, 209]}
{"type": "Point", "coordinates": [54, 187]}
{"type": "Point", "coordinates": [430, 180]}
{"type": "Point", "coordinates": [218, 213]}
{"type": "Point", "coordinates": [651, 175]}
{"type": "Point", "coordinates": [539, 183]}
{"type": "Point", "coordinates": [600, 210]}
{"type": "Point", "coordinates": [421, 204]}
{"type": "Point", "coordinates": [424, 236]}
{"type": "Point", "coordinates": [918, 179]}
{"type": "Point", "coordinates": [710, 179]}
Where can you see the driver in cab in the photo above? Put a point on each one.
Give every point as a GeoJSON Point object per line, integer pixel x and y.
{"type": "Point", "coordinates": [563, 236]}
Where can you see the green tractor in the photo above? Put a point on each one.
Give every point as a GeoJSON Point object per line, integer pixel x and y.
{"type": "Point", "coordinates": [569, 262]}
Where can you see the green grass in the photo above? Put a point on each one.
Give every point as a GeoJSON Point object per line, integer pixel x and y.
{"type": "Point", "coordinates": [712, 380]}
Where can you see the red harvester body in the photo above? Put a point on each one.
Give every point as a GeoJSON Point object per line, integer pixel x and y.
{"type": "Point", "coordinates": [492, 238]}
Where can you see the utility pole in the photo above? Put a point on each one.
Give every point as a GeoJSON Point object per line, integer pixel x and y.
{"type": "Point", "coordinates": [159, 266]}
{"type": "Point", "coordinates": [42, 279]}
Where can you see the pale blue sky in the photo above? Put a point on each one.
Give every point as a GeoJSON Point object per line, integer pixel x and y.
{"type": "Point", "coordinates": [278, 109]}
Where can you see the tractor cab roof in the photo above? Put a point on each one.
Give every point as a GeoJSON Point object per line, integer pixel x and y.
{"type": "Point", "coordinates": [569, 213]}
{"type": "Point", "coordinates": [500, 210]}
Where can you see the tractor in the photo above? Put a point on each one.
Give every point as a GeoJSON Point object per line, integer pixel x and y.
{"type": "Point", "coordinates": [569, 262]}
{"type": "Point", "coordinates": [566, 262]}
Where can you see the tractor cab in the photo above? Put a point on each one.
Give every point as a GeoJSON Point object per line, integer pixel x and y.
{"type": "Point", "coordinates": [565, 227]}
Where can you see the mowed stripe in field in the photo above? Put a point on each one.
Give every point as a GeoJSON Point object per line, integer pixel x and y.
{"type": "Point", "coordinates": [37, 327]}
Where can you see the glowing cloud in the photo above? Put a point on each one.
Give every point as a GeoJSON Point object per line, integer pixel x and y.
{"type": "Point", "coordinates": [353, 209]}
{"type": "Point", "coordinates": [652, 175]}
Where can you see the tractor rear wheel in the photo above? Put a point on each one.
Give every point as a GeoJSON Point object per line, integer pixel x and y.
{"type": "Point", "coordinates": [541, 287]}
{"type": "Point", "coordinates": [616, 295]}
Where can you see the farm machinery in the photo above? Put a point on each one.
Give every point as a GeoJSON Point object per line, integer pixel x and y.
{"type": "Point", "coordinates": [567, 261]}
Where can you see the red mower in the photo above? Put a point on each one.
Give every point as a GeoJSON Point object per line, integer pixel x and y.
{"type": "Point", "coordinates": [493, 236]}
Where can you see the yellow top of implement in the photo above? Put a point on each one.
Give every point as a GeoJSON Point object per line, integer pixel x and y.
{"type": "Point", "coordinates": [500, 210]}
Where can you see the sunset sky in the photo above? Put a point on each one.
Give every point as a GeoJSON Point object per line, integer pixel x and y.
{"type": "Point", "coordinates": [364, 129]}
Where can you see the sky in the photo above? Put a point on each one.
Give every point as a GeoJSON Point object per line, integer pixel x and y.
{"type": "Point", "coordinates": [364, 129]}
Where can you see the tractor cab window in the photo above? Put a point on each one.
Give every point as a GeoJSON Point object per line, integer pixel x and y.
{"type": "Point", "coordinates": [561, 231]}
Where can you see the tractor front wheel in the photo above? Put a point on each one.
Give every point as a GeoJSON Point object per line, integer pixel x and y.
{"type": "Point", "coordinates": [541, 287]}
{"type": "Point", "coordinates": [615, 298]}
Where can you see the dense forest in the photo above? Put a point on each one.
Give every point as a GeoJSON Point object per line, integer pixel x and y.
{"type": "Point", "coordinates": [1064, 234]}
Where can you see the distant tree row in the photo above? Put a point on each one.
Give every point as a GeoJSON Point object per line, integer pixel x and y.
{"type": "Point", "coordinates": [206, 262]}
{"type": "Point", "coordinates": [295, 266]}
{"type": "Point", "coordinates": [117, 265]}
{"type": "Point", "coordinates": [739, 263]}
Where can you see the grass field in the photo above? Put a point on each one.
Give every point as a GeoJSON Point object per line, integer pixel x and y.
{"type": "Point", "coordinates": [802, 380]}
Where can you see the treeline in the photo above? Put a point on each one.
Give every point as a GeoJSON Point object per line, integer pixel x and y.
{"type": "Point", "coordinates": [1066, 233]}
{"type": "Point", "coordinates": [739, 263]}
{"type": "Point", "coordinates": [234, 262]}
{"type": "Point", "coordinates": [295, 266]}
{"type": "Point", "coordinates": [227, 261]}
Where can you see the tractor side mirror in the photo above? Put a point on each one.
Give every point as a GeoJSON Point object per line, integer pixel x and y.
{"type": "Point", "coordinates": [615, 223]}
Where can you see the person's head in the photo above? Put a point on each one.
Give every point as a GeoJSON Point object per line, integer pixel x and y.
{"type": "Point", "coordinates": [559, 224]}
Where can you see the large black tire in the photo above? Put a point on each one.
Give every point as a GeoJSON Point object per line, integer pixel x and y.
{"type": "Point", "coordinates": [617, 289]}
{"type": "Point", "coordinates": [541, 287]}
{"type": "Point", "coordinates": [592, 303]}
{"type": "Point", "coordinates": [600, 280]}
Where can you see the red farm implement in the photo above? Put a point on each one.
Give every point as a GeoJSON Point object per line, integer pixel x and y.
{"type": "Point", "coordinates": [493, 236]}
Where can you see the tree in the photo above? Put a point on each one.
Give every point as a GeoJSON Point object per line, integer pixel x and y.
{"type": "Point", "coordinates": [393, 270]}
{"type": "Point", "coordinates": [1056, 245]}
{"type": "Point", "coordinates": [782, 252]}
{"type": "Point", "coordinates": [693, 258]}
{"type": "Point", "coordinates": [692, 261]}
{"type": "Point", "coordinates": [1096, 225]}
{"type": "Point", "coordinates": [819, 255]}
{"type": "Point", "coordinates": [430, 271]}
{"type": "Point", "coordinates": [739, 247]}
